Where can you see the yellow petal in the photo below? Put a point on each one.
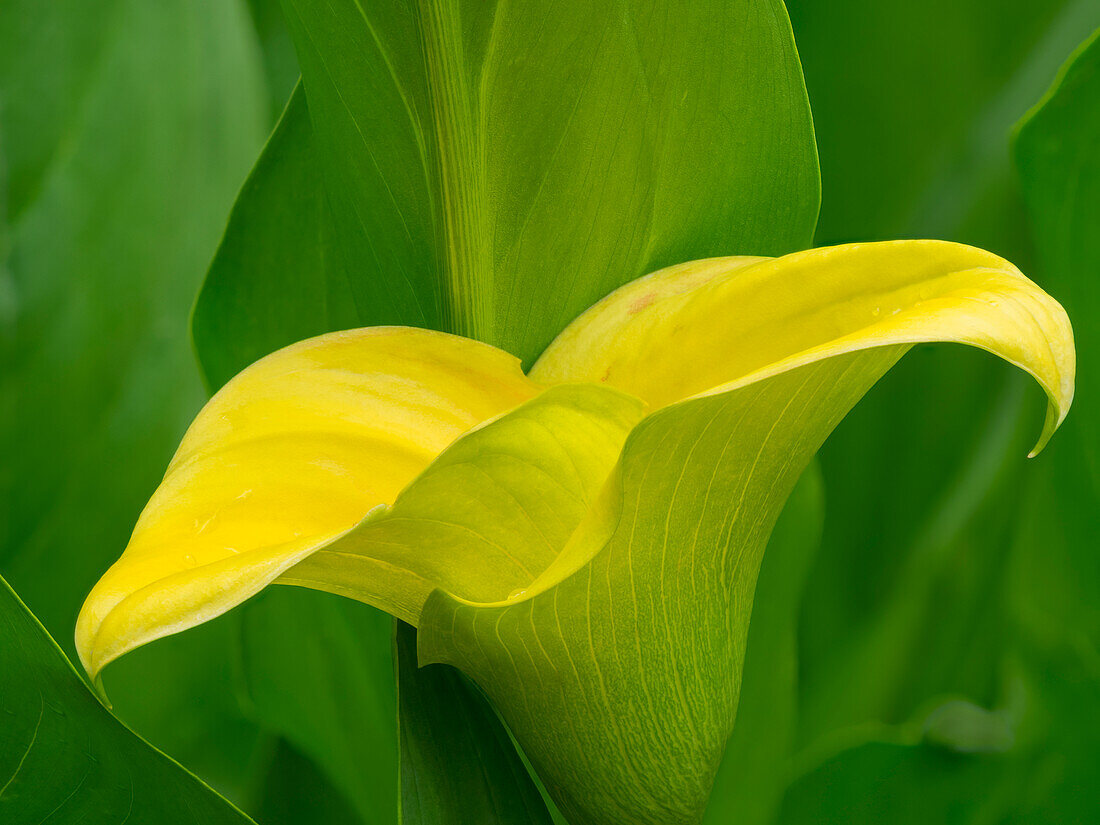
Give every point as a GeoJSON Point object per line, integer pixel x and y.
{"type": "Point", "coordinates": [289, 455]}
{"type": "Point", "coordinates": [718, 324]}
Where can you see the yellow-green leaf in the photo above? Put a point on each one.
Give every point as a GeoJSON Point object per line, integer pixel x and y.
{"type": "Point", "coordinates": [619, 669]}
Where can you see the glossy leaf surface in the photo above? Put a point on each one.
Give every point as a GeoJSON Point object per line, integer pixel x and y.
{"type": "Point", "coordinates": [64, 757]}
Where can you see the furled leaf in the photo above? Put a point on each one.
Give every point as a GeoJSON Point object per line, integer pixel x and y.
{"type": "Point", "coordinates": [627, 732]}
{"type": "Point", "coordinates": [449, 751]}
{"type": "Point", "coordinates": [64, 758]}
{"type": "Point", "coordinates": [495, 168]}
{"type": "Point", "coordinates": [749, 784]}
{"type": "Point", "coordinates": [125, 128]}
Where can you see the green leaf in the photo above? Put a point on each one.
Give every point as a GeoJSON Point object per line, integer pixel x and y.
{"type": "Point", "coordinates": [912, 108]}
{"type": "Point", "coordinates": [980, 590]}
{"type": "Point", "coordinates": [1055, 576]}
{"type": "Point", "coordinates": [1059, 163]}
{"type": "Point", "coordinates": [491, 525]}
{"type": "Point", "coordinates": [912, 785]}
{"type": "Point", "coordinates": [282, 227]}
{"type": "Point", "coordinates": [64, 757]}
{"type": "Point", "coordinates": [295, 792]}
{"type": "Point", "coordinates": [127, 127]}
{"type": "Point", "coordinates": [333, 699]}
{"type": "Point", "coordinates": [458, 764]}
{"type": "Point", "coordinates": [912, 105]}
{"type": "Point", "coordinates": [493, 169]}
{"type": "Point", "coordinates": [741, 177]}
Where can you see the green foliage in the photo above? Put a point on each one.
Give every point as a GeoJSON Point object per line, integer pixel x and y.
{"type": "Point", "coordinates": [64, 757]}
{"type": "Point", "coordinates": [492, 169]}
{"type": "Point", "coordinates": [1055, 575]}
{"type": "Point", "coordinates": [457, 764]}
{"type": "Point", "coordinates": [750, 781]}
{"type": "Point", "coordinates": [333, 700]}
{"type": "Point", "coordinates": [912, 109]}
{"type": "Point", "coordinates": [126, 128]}
{"type": "Point", "coordinates": [301, 255]}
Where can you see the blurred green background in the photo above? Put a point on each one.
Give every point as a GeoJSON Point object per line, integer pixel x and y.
{"type": "Point", "coordinates": [929, 653]}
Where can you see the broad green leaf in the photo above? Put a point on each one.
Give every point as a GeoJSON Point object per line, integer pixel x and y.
{"type": "Point", "coordinates": [126, 128]}
{"type": "Point", "coordinates": [333, 697]}
{"type": "Point", "coordinates": [239, 320]}
{"type": "Point", "coordinates": [938, 628]}
{"type": "Point", "coordinates": [495, 168]}
{"type": "Point", "coordinates": [749, 784]}
{"type": "Point", "coordinates": [1059, 160]}
{"type": "Point", "coordinates": [280, 62]}
{"type": "Point", "coordinates": [907, 784]}
{"type": "Point", "coordinates": [971, 588]}
{"type": "Point", "coordinates": [595, 177]}
{"type": "Point", "coordinates": [450, 751]}
{"type": "Point", "coordinates": [64, 758]}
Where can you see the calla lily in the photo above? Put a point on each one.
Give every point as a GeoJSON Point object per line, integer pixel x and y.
{"type": "Point", "coordinates": [583, 540]}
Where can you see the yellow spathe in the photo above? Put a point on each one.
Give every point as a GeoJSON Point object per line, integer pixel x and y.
{"type": "Point", "coordinates": [293, 453]}
{"type": "Point", "coordinates": [290, 454]}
